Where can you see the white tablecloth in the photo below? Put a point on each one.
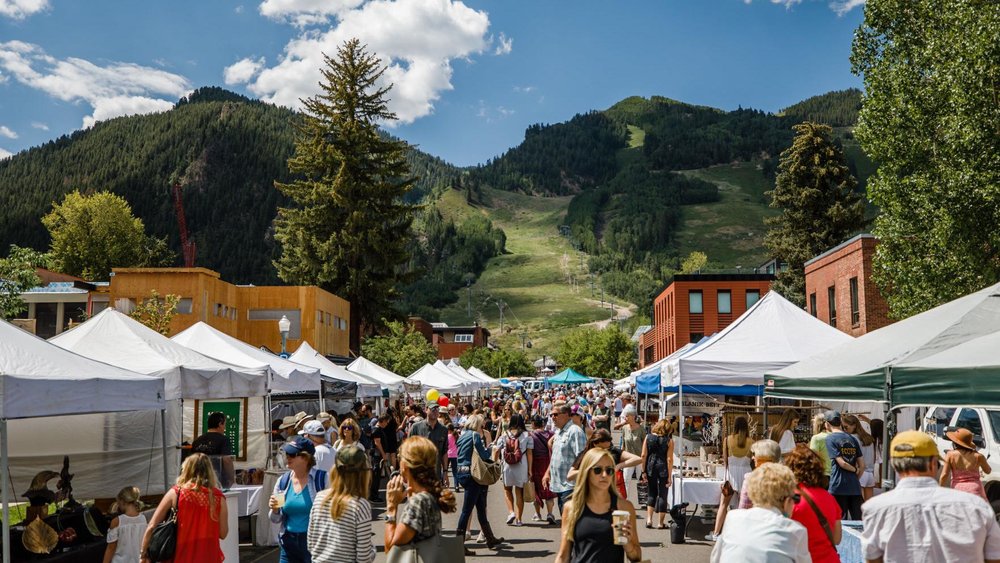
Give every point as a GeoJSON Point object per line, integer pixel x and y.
{"type": "Point", "coordinates": [697, 490]}
{"type": "Point", "coordinates": [249, 498]}
{"type": "Point", "coordinates": [850, 543]}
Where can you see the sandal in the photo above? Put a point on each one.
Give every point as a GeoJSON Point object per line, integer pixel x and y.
{"type": "Point", "coordinates": [649, 525]}
{"type": "Point", "coordinates": [661, 527]}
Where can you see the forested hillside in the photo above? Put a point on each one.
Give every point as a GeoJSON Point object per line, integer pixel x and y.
{"type": "Point", "coordinates": [225, 149]}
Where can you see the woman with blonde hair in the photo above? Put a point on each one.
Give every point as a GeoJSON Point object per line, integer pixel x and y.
{"type": "Point", "coordinates": [657, 463]}
{"type": "Point", "coordinates": [818, 444]}
{"type": "Point", "coordinates": [765, 532]}
{"type": "Point", "coordinates": [126, 530]}
{"type": "Point", "coordinates": [784, 431]}
{"type": "Point", "coordinates": [853, 426]}
{"type": "Point", "coordinates": [202, 516]}
{"type": "Point", "coordinates": [426, 498]}
{"type": "Point", "coordinates": [588, 534]}
{"type": "Point", "coordinates": [350, 434]}
{"type": "Point", "coordinates": [340, 522]}
{"type": "Point", "coordinates": [736, 452]}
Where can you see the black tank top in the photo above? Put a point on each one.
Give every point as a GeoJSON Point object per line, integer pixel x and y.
{"type": "Point", "coordinates": [593, 538]}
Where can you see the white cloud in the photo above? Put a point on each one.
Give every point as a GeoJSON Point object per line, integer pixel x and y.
{"type": "Point", "coordinates": [39, 125]}
{"type": "Point", "coordinates": [20, 9]}
{"type": "Point", "coordinates": [238, 9]}
{"type": "Point", "coordinates": [242, 71]}
{"type": "Point", "coordinates": [416, 39]}
{"type": "Point", "coordinates": [7, 132]}
{"type": "Point", "coordinates": [506, 45]}
{"type": "Point", "coordinates": [844, 6]}
{"type": "Point", "coordinates": [524, 89]}
{"type": "Point", "coordinates": [112, 90]}
{"type": "Point", "coordinates": [5, 154]}
{"type": "Point", "coordinates": [786, 3]}
{"type": "Point", "coordinates": [492, 115]}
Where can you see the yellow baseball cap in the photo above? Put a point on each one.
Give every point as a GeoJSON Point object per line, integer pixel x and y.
{"type": "Point", "coordinates": [915, 444]}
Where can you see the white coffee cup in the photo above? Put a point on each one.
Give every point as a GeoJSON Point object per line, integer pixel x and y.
{"type": "Point", "coordinates": [619, 520]}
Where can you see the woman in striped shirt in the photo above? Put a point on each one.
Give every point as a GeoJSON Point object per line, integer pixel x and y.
{"type": "Point", "coordinates": [340, 523]}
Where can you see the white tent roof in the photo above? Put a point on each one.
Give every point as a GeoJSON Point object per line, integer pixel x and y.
{"type": "Point", "coordinates": [370, 369]}
{"type": "Point", "coordinates": [659, 366]}
{"type": "Point", "coordinates": [122, 341]}
{"type": "Point", "coordinates": [308, 355]}
{"type": "Point", "coordinates": [286, 376]}
{"type": "Point", "coordinates": [476, 374]}
{"type": "Point", "coordinates": [472, 381]}
{"type": "Point", "coordinates": [772, 334]}
{"type": "Point", "coordinates": [444, 380]}
{"type": "Point", "coordinates": [483, 376]}
{"type": "Point", "coordinates": [41, 379]}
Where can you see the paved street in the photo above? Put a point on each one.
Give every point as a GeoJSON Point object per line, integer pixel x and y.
{"type": "Point", "coordinates": [537, 542]}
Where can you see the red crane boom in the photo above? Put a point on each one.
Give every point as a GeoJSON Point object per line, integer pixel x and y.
{"type": "Point", "coordinates": [187, 245]}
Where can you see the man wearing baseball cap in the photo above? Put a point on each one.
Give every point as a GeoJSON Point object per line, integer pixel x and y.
{"type": "Point", "coordinates": [324, 454]}
{"type": "Point", "coordinates": [920, 521]}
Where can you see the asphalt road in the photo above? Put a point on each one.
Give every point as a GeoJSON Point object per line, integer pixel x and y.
{"type": "Point", "coordinates": [536, 541]}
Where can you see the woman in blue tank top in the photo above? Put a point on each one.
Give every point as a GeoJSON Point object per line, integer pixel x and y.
{"type": "Point", "coordinates": [588, 535]}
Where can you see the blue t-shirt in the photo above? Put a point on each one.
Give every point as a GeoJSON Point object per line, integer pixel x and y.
{"type": "Point", "coordinates": [843, 445]}
{"type": "Point", "coordinates": [296, 510]}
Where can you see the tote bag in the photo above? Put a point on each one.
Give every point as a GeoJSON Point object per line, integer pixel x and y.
{"type": "Point", "coordinates": [439, 549]}
{"type": "Point", "coordinates": [484, 472]}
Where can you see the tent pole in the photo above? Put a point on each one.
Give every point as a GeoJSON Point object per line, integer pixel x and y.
{"type": "Point", "coordinates": [163, 435]}
{"type": "Point", "coordinates": [889, 431]}
{"type": "Point", "coordinates": [680, 440]}
{"type": "Point", "coordinates": [5, 476]}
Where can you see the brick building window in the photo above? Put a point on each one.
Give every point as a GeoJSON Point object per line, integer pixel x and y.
{"type": "Point", "coordinates": [855, 303]}
{"type": "Point", "coordinates": [753, 296]}
{"type": "Point", "coordinates": [695, 303]}
{"type": "Point", "coordinates": [725, 302]}
{"type": "Point", "coordinates": [831, 296]}
{"type": "Point", "coordinates": [812, 303]}
{"type": "Point", "coordinates": [464, 338]}
{"type": "Point", "coordinates": [696, 336]}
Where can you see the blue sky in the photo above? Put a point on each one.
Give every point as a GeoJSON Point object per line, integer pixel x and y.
{"type": "Point", "coordinates": [469, 75]}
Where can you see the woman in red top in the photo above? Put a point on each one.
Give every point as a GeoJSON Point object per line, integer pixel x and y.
{"type": "Point", "coordinates": [202, 518]}
{"type": "Point", "coordinates": [823, 539]}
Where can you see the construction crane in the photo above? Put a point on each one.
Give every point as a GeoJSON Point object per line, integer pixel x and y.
{"type": "Point", "coordinates": [187, 245]}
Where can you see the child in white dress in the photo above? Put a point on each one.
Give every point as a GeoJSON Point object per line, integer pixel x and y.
{"type": "Point", "coordinates": [127, 529]}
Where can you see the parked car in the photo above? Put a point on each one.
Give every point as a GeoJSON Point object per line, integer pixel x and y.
{"type": "Point", "coordinates": [983, 423]}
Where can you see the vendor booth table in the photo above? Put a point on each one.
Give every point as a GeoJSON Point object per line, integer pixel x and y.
{"type": "Point", "coordinates": [849, 548]}
{"type": "Point", "coordinates": [696, 491]}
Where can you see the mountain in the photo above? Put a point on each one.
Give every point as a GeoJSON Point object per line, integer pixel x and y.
{"type": "Point", "coordinates": [226, 150]}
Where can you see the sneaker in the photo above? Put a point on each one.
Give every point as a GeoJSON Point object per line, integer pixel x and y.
{"type": "Point", "coordinates": [510, 518]}
{"type": "Point", "coordinates": [536, 518]}
{"type": "Point", "coordinates": [495, 543]}
{"type": "Point", "coordinates": [481, 538]}
{"type": "Point", "coordinates": [468, 535]}
{"type": "Point", "coordinates": [551, 519]}
{"type": "Point", "coordinates": [711, 537]}
{"type": "Point", "coordinates": [518, 523]}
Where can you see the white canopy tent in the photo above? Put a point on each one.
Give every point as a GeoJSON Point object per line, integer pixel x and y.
{"type": "Point", "coordinates": [285, 376]}
{"type": "Point", "coordinates": [473, 382]}
{"type": "Point", "coordinates": [389, 380]}
{"type": "Point", "coordinates": [491, 381]}
{"type": "Point", "coordinates": [444, 380]}
{"type": "Point", "coordinates": [658, 365]}
{"type": "Point", "coordinates": [484, 380]}
{"type": "Point", "coordinates": [41, 380]}
{"type": "Point", "coordinates": [307, 355]}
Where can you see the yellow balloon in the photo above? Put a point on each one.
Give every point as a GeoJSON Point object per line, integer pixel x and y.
{"type": "Point", "coordinates": [432, 396]}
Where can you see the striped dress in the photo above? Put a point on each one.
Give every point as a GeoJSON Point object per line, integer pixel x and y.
{"type": "Point", "coordinates": [345, 540]}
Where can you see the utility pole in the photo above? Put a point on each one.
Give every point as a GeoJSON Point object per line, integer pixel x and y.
{"type": "Point", "coordinates": [612, 310]}
{"type": "Point", "coordinates": [468, 287]}
{"type": "Point", "coordinates": [602, 297]}
{"type": "Point", "coordinates": [500, 305]}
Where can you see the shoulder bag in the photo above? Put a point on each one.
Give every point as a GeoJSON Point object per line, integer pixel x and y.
{"type": "Point", "coordinates": [438, 549]}
{"type": "Point", "coordinates": [823, 522]}
{"type": "Point", "coordinates": [163, 542]}
{"type": "Point", "coordinates": [484, 472]}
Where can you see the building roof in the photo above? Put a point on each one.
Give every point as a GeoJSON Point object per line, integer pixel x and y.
{"type": "Point", "coordinates": [446, 328]}
{"type": "Point", "coordinates": [840, 246]}
{"type": "Point", "coordinates": [640, 331]}
{"type": "Point", "coordinates": [204, 271]}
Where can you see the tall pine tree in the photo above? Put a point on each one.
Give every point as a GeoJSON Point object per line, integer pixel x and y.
{"type": "Point", "coordinates": [815, 191]}
{"type": "Point", "coordinates": [348, 230]}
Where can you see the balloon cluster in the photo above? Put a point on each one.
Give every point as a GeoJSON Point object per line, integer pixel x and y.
{"type": "Point", "coordinates": [435, 396]}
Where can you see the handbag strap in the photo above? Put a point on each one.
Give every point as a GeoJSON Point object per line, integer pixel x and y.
{"type": "Point", "coordinates": [823, 522]}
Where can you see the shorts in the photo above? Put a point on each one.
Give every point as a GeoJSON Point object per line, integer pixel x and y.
{"type": "Point", "coordinates": [867, 478]}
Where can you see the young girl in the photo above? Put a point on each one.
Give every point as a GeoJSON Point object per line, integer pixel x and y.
{"type": "Point", "coordinates": [126, 530]}
{"type": "Point", "coordinates": [452, 456]}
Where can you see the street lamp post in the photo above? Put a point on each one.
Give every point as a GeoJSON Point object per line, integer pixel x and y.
{"type": "Point", "coordinates": [284, 325]}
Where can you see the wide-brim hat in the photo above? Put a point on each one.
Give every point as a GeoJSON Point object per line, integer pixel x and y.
{"type": "Point", "coordinates": [962, 437]}
{"type": "Point", "coordinates": [290, 421]}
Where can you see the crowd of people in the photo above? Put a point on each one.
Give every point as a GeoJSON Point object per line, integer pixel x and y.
{"type": "Point", "coordinates": [783, 499]}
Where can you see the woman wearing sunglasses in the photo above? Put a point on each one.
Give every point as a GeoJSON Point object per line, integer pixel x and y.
{"type": "Point", "coordinates": [588, 534]}
{"type": "Point", "coordinates": [350, 434]}
{"type": "Point", "coordinates": [765, 532]}
{"type": "Point", "coordinates": [293, 497]}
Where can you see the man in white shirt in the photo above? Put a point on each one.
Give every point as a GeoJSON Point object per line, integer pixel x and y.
{"type": "Point", "coordinates": [921, 522]}
{"type": "Point", "coordinates": [325, 455]}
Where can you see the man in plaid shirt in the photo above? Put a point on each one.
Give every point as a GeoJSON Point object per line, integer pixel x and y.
{"type": "Point", "coordinates": [568, 442]}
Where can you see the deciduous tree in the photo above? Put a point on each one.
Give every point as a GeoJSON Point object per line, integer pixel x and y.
{"type": "Point", "coordinates": [498, 363]}
{"type": "Point", "coordinates": [156, 312]}
{"type": "Point", "coordinates": [606, 352]}
{"type": "Point", "coordinates": [17, 275]}
{"type": "Point", "coordinates": [819, 207]}
{"type": "Point", "coordinates": [930, 117]}
{"type": "Point", "coordinates": [348, 229]}
{"type": "Point", "coordinates": [401, 349]}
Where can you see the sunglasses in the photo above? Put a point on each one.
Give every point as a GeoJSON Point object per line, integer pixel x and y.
{"type": "Point", "coordinates": [607, 470]}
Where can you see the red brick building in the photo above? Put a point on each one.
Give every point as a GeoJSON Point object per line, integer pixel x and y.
{"type": "Point", "coordinates": [840, 291]}
{"type": "Point", "coordinates": [451, 341]}
{"type": "Point", "coordinates": [697, 305]}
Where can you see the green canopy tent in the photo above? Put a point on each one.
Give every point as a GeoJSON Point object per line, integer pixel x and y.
{"type": "Point", "coordinates": [568, 376]}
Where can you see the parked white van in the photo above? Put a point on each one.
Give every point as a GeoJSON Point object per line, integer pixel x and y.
{"type": "Point", "coordinates": [983, 423]}
{"type": "Point", "coordinates": [533, 385]}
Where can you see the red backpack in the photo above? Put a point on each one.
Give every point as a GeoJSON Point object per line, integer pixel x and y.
{"type": "Point", "coordinates": [512, 451]}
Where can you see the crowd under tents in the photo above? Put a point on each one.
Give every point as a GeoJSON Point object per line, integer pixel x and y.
{"type": "Point", "coordinates": [945, 356]}
{"type": "Point", "coordinates": [429, 376]}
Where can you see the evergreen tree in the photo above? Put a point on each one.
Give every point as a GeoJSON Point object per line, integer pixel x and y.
{"type": "Point", "coordinates": [815, 191]}
{"type": "Point", "coordinates": [931, 119]}
{"type": "Point", "coordinates": [348, 230]}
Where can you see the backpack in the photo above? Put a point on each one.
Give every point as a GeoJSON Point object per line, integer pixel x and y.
{"type": "Point", "coordinates": [318, 477]}
{"type": "Point", "coordinates": [512, 451]}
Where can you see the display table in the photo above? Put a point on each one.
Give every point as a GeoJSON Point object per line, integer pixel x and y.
{"type": "Point", "coordinates": [697, 490]}
{"type": "Point", "coordinates": [249, 498]}
{"type": "Point", "coordinates": [231, 545]}
{"type": "Point", "coordinates": [850, 542]}
{"type": "Point", "coordinates": [266, 533]}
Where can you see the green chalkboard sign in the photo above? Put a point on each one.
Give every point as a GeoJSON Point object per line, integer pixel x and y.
{"type": "Point", "coordinates": [236, 421]}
